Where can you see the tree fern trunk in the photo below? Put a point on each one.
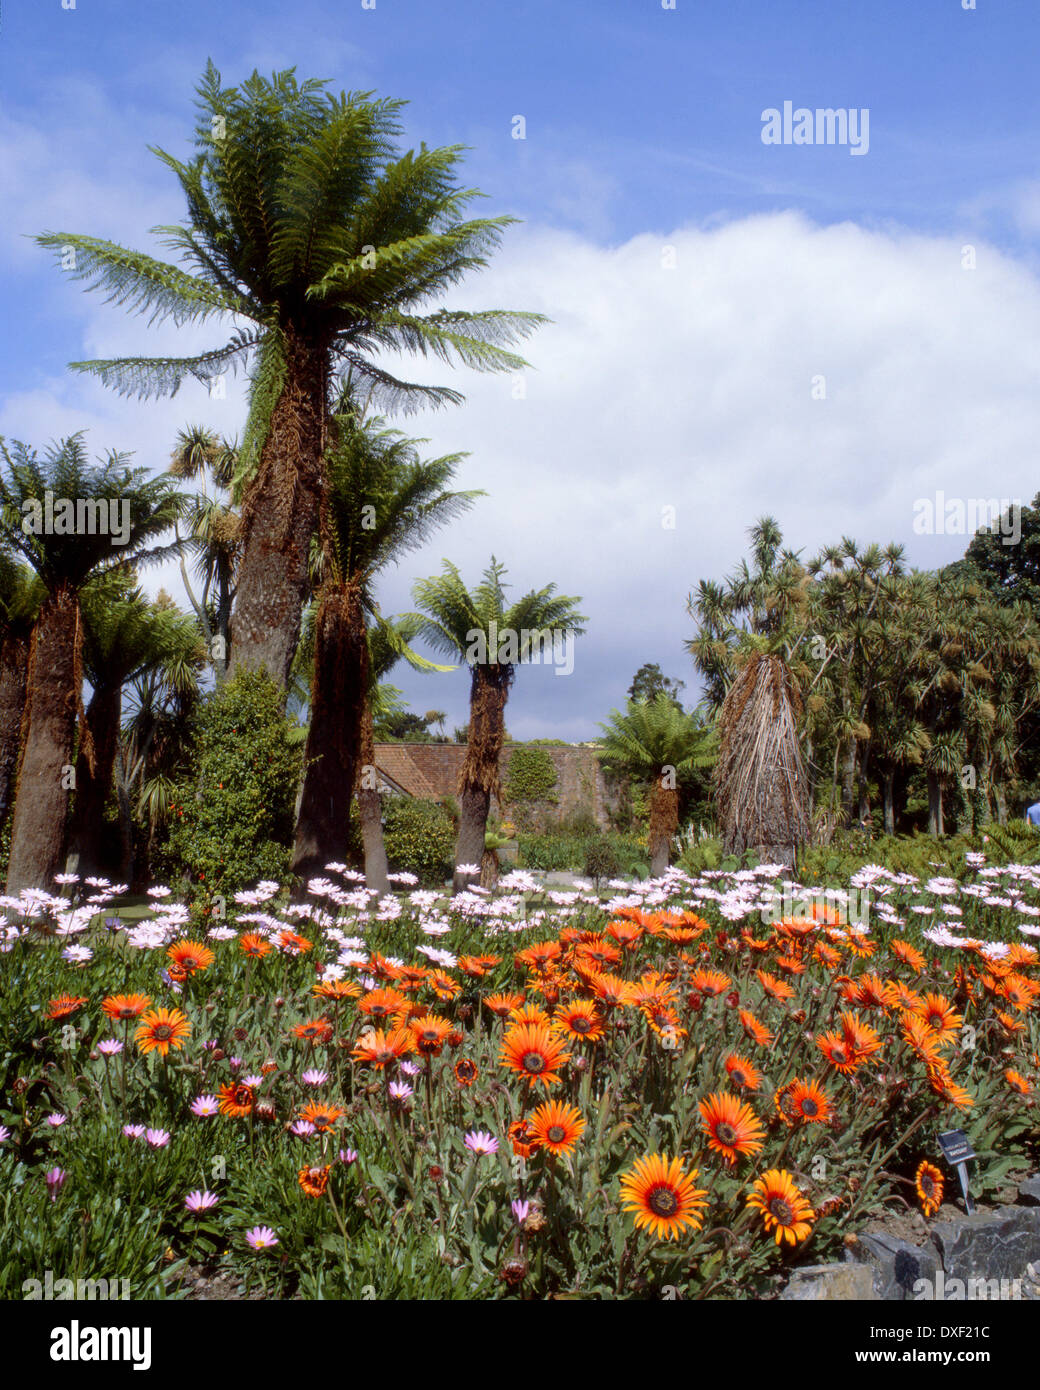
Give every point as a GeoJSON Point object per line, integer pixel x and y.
{"type": "Point", "coordinates": [87, 833]}
{"type": "Point", "coordinates": [48, 736]}
{"type": "Point", "coordinates": [14, 664]}
{"type": "Point", "coordinates": [333, 740]}
{"type": "Point", "coordinates": [279, 518]}
{"type": "Point", "coordinates": [370, 810]}
{"type": "Point", "coordinates": [478, 781]}
{"type": "Point", "coordinates": [664, 819]}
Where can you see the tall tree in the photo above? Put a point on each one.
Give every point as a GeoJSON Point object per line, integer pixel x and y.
{"type": "Point", "coordinates": [309, 229]}
{"type": "Point", "coordinates": [53, 507]}
{"type": "Point", "coordinates": [381, 500]}
{"type": "Point", "coordinates": [650, 681]}
{"type": "Point", "coordinates": [478, 627]}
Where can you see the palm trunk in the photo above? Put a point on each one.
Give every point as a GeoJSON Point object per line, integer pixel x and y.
{"type": "Point", "coordinates": [479, 780]}
{"type": "Point", "coordinates": [935, 806]}
{"type": "Point", "coordinates": [1001, 800]}
{"type": "Point", "coordinates": [664, 820]}
{"type": "Point", "coordinates": [87, 835]}
{"type": "Point", "coordinates": [279, 517]}
{"type": "Point", "coordinates": [848, 782]}
{"type": "Point", "coordinates": [370, 811]}
{"type": "Point", "coordinates": [126, 822]}
{"type": "Point", "coordinates": [48, 736]}
{"type": "Point", "coordinates": [333, 741]}
{"type": "Point", "coordinates": [888, 790]}
{"type": "Point", "coordinates": [14, 667]}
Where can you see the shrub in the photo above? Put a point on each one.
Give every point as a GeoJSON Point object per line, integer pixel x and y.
{"type": "Point", "coordinates": [232, 819]}
{"type": "Point", "coordinates": [420, 839]}
{"type": "Point", "coordinates": [531, 775]}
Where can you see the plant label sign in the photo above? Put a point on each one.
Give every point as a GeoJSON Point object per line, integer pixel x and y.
{"type": "Point", "coordinates": [957, 1150]}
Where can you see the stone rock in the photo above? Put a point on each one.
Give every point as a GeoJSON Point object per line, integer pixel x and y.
{"type": "Point", "coordinates": [989, 1245]}
{"type": "Point", "coordinates": [831, 1284]}
{"type": "Point", "coordinates": [896, 1264]}
{"type": "Point", "coordinates": [1029, 1192]}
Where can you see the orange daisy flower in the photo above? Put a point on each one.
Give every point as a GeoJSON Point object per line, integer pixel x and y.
{"type": "Point", "coordinates": [1017, 1082]}
{"type": "Point", "coordinates": [430, 1033]}
{"type": "Point", "coordinates": [502, 1005]}
{"type": "Point", "coordinates": [1011, 1023]}
{"type": "Point", "coordinates": [381, 1004]}
{"type": "Point", "coordinates": [836, 1048]}
{"type": "Point", "coordinates": [784, 1209]}
{"type": "Point", "coordinates": [254, 945]}
{"type": "Point", "coordinates": [411, 977]}
{"type": "Point", "coordinates": [381, 1049]}
{"type": "Point", "coordinates": [161, 1029]}
{"type": "Point", "coordinates": [236, 1099]}
{"type": "Point", "coordinates": [532, 1014]}
{"type": "Point", "coordinates": [337, 990]}
{"type": "Point", "coordinates": [579, 1021]}
{"type": "Point", "coordinates": [557, 1126]}
{"type": "Point", "coordinates": [532, 1051]}
{"type": "Point", "coordinates": [860, 1037]}
{"type": "Point", "coordinates": [909, 955]}
{"type": "Point", "coordinates": [315, 1030]}
{"type": "Point", "coordinates": [322, 1117]}
{"type": "Point", "coordinates": [190, 956]}
{"type": "Point", "coordinates": [466, 1071]}
{"type": "Point", "coordinates": [928, 1181]}
{"type": "Point", "coordinates": [943, 1084]}
{"type": "Point", "coordinates": [476, 967]}
{"type": "Point", "coordinates": [65, 1005]}
{"type": "Point", "coordinates": [710, 982]}
{"type": "Point", "coordinates": [920, 1037]}
{"type": "Point", "coordinates": [523, 1137]}
{"type": "Point", "coordinates": [940, 1016]}
{"type": "Point", "coordinates": [776, 989]}
{"type": "Point", "coordinates": [626, 934]}
{"type": "Point", "coordinates": [731, 1126]}
{"type": "Point", "coordinates": [663, 1197]}
{"type": "Point", "coordinates": [755, 1030]}
{"type": "Point", "coordinates": [810, 1103]}
{"type": "Point", "coordinates": [293, 942]}
{"type": "Point", "coordinates": [443, 986]}
{"type": "Point", "coordinates": [612, 991]}
{"type": "Point", "coordinates": [539, 956]}
{"type": "Point", "coordinates": [315, 1180]}
{"type": "Point", "coordinates": [742, 1073]}
{"type": "Point", "coordinates": [122, 1007]}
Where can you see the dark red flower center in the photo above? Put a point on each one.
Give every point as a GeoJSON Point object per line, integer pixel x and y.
{"type": "Point", "coordinates": [663, 1201]}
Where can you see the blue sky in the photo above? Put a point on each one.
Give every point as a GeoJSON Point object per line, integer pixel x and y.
{"type": "Point", "coordinates": [643, 130]}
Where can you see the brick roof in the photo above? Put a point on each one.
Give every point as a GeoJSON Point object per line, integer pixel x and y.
{"type": "Point", "coordinates": [426, 770]}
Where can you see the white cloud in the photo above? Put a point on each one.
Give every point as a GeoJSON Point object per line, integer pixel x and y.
{"type": "Point", "coordinates": [689, 388]}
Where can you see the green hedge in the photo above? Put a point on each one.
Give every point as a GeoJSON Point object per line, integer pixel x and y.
{"type": "Point", "coordinates": [232, 820]}
{"type": "Point", "coordinates": [419, 838]}
{"type": "Point", "coordinates": [578, 853]}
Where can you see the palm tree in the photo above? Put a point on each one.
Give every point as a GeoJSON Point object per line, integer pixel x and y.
{"type": "Point", "coordinates": [214, 537]}
{"type": "Point", "coordinates": [21, 594]}
{"type": "Point", "coordinates": [36, 494]}
{"type": "Point", "coordinates": [308, 229]}
{"type": "Point", "coordinates": [124, 638]}
{"type": "Point", "coordinates": [478, 628]}
{"type": "Point", "coordinates": [656, 741]}
{"type": "Point", "coordinates": [381, 500]}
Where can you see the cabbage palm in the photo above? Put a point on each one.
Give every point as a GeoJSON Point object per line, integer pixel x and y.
{"type": "Point", "coordinates": [475, 626]}
{"type": "Point", "coordinates": [381, 500]}
{"type": "Point", "coordinates": [309, 232]}
{"type": "Point", "coordinates": [64, 562]}
{"type": "Point", "coordinates": [657, 742]}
